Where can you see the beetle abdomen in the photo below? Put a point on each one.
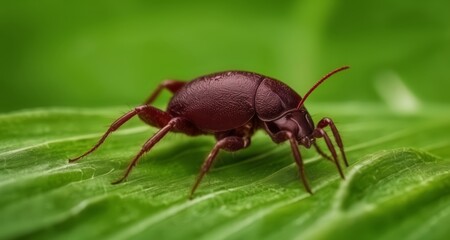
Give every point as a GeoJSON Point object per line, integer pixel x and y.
{"type": "Point", "coordinates": [273, 98]}
{"type": "Point", "coordinates": [217, 102]}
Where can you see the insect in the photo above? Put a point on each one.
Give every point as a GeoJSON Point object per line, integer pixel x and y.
{"type": "Point", "coordinates": [231, 106]}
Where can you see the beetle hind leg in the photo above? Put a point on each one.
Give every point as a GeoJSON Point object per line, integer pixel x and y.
{"type": "Point", "coordinates": [172, 85]}
{"type": "Point", "coordinates": [149, 145]}
{"type": "Point", "coordinates": [158, 118]}
{"type": "Point", "coordinates": [154, 116]}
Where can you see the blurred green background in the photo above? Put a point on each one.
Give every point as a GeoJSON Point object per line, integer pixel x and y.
{"type": "Point", "coordinates": [106, 53]}
{"type": "Point", "coordinates": [97, 54]}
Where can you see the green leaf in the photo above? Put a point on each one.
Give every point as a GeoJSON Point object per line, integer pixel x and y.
{"type": "Point", "coordinates": [397, 185]}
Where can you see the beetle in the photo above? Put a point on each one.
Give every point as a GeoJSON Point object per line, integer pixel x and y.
{"type": "Point", "coordinates": [231, 105]}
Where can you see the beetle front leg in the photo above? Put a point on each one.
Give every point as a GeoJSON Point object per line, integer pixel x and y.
{"type": "Point", "coordinates": [324, 155]}
{"type": "Point", "coordinates": [325, 122]}
{"type": "Point", "coordinates": [298, 160]}
{"type": "Point", "coordinates": [282, 136]}
{"type": "Point", "coordinates": [319, 133]}
{"type": "Point", "coordinates": [231, 144]}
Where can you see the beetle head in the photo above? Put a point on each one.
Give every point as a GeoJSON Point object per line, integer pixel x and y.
{"type": "Point", "coordinates": [298, 122]}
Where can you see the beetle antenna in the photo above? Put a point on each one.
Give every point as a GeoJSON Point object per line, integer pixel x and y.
{"type": "Point", "coordinates": [300, 104]}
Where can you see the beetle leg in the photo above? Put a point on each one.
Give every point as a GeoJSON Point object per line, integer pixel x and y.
{"type": "Point", "coordinates": [172, 85]}
{"type": "Point", "coordinates": [283, 136]}
{"type": "Point", "coordinates": [298, 160]}
{"type": "Point", "coordinates": [231, 144]}
{"type": "Point", "coordinates": [321, 152]}
{"type": "Point", "coordinates": [154, 116]}
{"type": "Point", "coordinates": [337, 137]}
{"type": "Point", "coordinates": [147, 146]}
{"type": "Point", "coordinates": [319, 132]}
{"type": "Point", "coordinates": [159, 116]}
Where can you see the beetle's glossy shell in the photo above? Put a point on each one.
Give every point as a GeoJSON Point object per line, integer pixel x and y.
{"type": "Point", "coordinates": [217, 102]}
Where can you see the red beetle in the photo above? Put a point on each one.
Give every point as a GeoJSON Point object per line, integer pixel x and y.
{"type": "Point", "coordinates": [231, 106]}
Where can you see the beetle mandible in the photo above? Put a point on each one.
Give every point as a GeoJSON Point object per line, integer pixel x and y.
{"type": "Point", "coordinates": [231, 105]}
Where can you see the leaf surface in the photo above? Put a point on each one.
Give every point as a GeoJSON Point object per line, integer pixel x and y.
{"type": "Point", "coordinates": [397, 185]}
